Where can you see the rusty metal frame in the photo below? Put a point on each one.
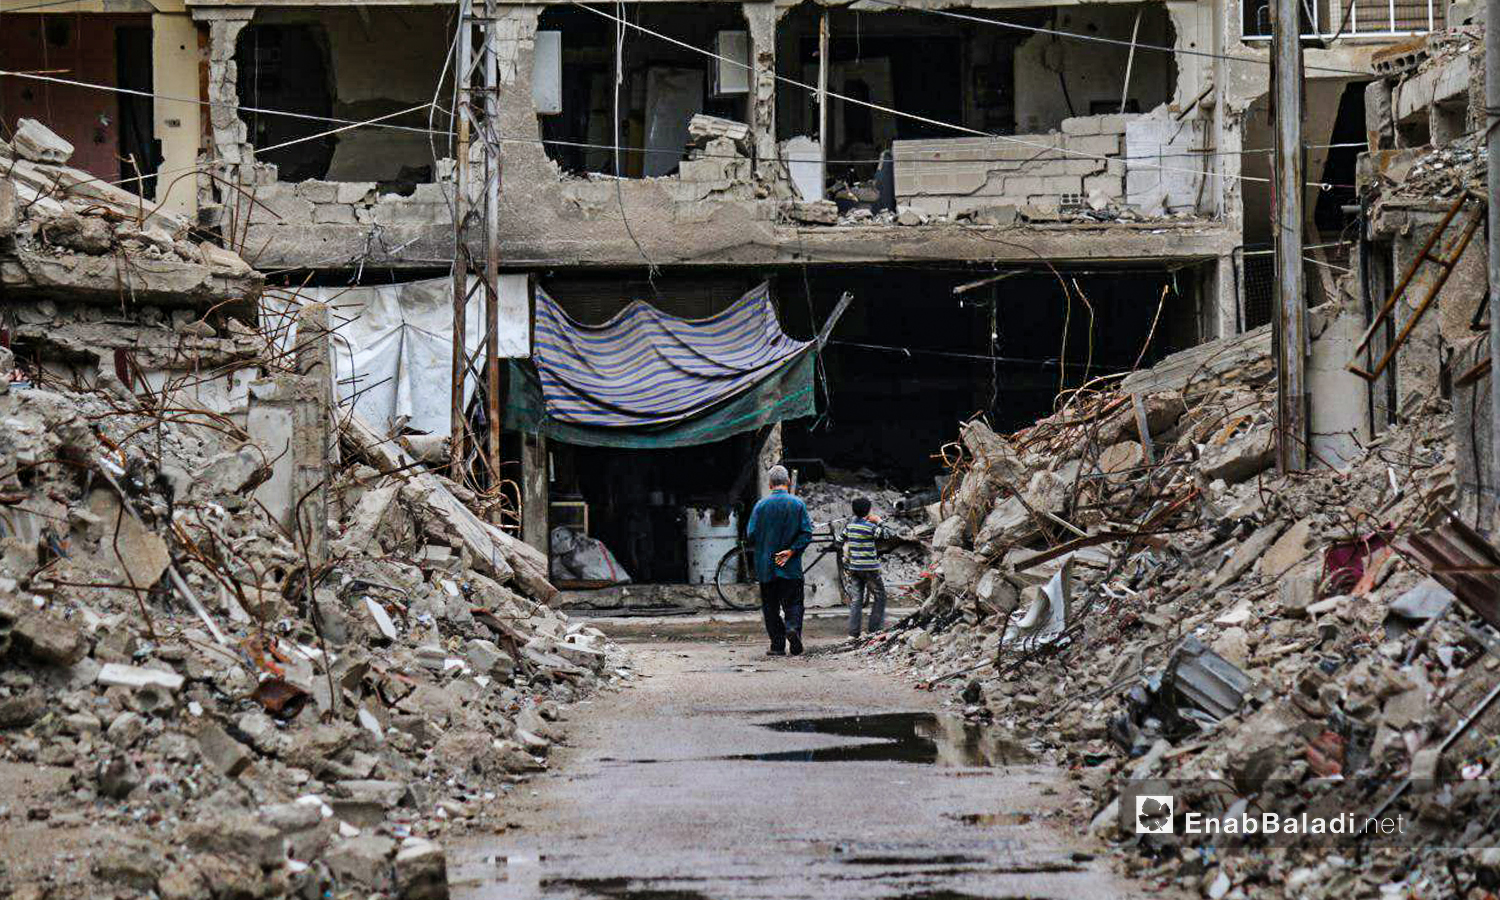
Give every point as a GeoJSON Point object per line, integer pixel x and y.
{"type": "Point", "coordinates": [1445, 263]}
{"type": "Point", "coordinates": [1461, 560]}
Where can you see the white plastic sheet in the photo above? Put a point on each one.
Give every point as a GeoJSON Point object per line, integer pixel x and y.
{"type": "Point", "coordinates": [392, 344]}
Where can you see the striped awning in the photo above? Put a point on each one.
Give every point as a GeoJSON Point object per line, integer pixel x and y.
{"type": "Point", "coordinates": [644, 367]}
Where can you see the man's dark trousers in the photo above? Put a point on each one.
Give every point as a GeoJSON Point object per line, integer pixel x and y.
{"type": "Point", "coordinates": [777, 597]}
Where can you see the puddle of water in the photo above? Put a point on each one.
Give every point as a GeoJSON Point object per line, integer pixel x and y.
{"type": "Point", "coordinates": [618, 889]}
{"type": "Point", "coordinates": [923, 738]}
{"type": "Point", "coordinates": [951, 859]}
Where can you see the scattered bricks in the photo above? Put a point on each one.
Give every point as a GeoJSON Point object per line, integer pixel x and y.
{"type": "Point", "coordinates": [116, 777]}
{"type": "Point", "coordinates": [47, 639]}
{"type": "Point", "coordinates": [239, 835]}
{"type": "Point", "coordinates": [38, 143]}
{"type": "Point", "coordinates": [20, 710]}
{"type": "Point", "coordinates": [1288, 550]}
{"type": "Point", "coordinates": [421, 871]}
{"type": "Point", "coordinates": [1240, 457]}
{"type": "Point", "coordinates": [137, 677]}
{"type": "Point", "coordinates": [223, 752]}
{"type": "Point", "coordinates": [581, 656]}
{"type": "Point", "coordinates": [704, 170]}
{"type": "Point", "coordinates": [290, 818]}
{"type": "Point", "coordinates": [1246, 555]}
{"type": "Point", "coordinates": [363, 861]}
{"type": "Point", "coordinates": [816, 212]}
{"type": "Point", "coordinates": [131, 861]}
{"type": "Point", "coordinates": [998, 216]}
{"type": "Point", "coordinates": [487, 659]}
{"type": "Point", "coordinates": [126, 729]}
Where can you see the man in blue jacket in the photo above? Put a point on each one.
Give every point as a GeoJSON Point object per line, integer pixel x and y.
{"type": "Point", "coordinates": [779, 529]}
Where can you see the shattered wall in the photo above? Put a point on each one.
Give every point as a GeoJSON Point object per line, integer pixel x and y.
{"type": "Point", "coordinates": [1056, 79]}
{"type": "Point", "coordinates": [951, 176]}
{"type": "Point", "coordinates": [728, 206]}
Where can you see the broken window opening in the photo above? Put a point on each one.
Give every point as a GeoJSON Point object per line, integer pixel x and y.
{"type": "Point", "coordinates": [978, 77]}
{"type": "Point", "coordinates": [105, 127]}
{"type": "Point", "coordinates": [663, 85]}
{"type": "Point", "coordinates": [887, 405]}
{"type": "Point", "coordinates": [350, 65]}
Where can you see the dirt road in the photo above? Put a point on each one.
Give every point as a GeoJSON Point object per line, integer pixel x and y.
{"type": "Point", "coordinates": [676, 789]}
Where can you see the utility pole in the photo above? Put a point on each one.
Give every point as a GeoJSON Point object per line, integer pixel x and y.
{"type": "Point", "coordinates": [1290, 322]}
{"type": "Point", "coordinates": [1492, 143]}
{"type": "Point", "coordinates": [477, 201]}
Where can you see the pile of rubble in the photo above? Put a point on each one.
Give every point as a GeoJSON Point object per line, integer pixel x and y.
{"type": "Point", "coordinates": [251, 735]}
{"type": "Point", "coordinates": [233, 665]}
{"type": "Point", "coordinates": [904, 558]}
{"type": "Point", "coordinates": [67, 230]}
{"type": "Point", "coordinates": [1129, 585]}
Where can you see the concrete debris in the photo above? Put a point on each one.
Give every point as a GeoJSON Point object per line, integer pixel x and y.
{"type": "Point", "coordinates": [1222, 623]}
{"type": "Point", "coordinates": [261, 730]}
{"type": "Point", "coordinates": [38, 143]}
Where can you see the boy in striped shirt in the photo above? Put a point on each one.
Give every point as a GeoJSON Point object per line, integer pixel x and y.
{"type": "Point", "coordinates": [863, 565]}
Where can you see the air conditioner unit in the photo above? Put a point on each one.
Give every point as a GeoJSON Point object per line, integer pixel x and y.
{"type": "Point", "coordinates": [731, 70]}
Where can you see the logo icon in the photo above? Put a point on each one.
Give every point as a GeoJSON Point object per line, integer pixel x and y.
{"type": "Point", "coordinates": [1153, 814]}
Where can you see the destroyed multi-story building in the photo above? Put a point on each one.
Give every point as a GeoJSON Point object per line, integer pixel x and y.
{"type": "Point", "coordinates": [1009, 190]}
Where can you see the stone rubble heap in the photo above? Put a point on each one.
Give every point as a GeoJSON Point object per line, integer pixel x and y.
{"type": "Point", "coordinates": [1185, 613]}
{"type": "Point", "coordinates": [227, 730]}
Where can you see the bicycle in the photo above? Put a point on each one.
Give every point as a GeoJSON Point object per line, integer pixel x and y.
{"type": "Point", "coordinates": [739, 562]}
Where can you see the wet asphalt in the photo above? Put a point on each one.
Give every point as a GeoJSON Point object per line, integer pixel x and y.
{"type": "Point", "coordinates": [725, 775]}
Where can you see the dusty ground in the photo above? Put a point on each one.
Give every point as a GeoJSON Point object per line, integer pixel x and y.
{"type": "Point", "coordinates": [646, 806]}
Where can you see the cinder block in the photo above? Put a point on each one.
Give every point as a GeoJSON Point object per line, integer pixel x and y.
{"type": "Point", "coordinates": [1063, 184]}
{"type": "Point", "coordinates": [1115, 124]}
{"type": "Point", "coordinates": [358, 191]}
{"type": "Point", "coordinates": [932, 206]}
{"type": "Point", "coordinates": [1098, 145]}
{"type": "Point", "coordinates": [1112, 186]}
{"type": "Point", "coordinates": [1081, 125]}
{"type": "Point", "coordinates": [333, 214]}
{"type": "Point", "coordinates": [1084, 165]}
{"type": "Point", "coordinates": [319, 191]}
{"type": "Point", "coordinates": [278, 202]}
{"type": "Point", "coordinates": [1024, 185]}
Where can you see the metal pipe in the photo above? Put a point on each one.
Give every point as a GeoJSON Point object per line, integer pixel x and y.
{"type": "Point", "coordinates": [1135, 30]}
{"type": "Point", "coordinates": [1492, 143]}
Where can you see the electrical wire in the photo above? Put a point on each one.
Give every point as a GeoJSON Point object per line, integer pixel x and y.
{"type": "Point", "coordinates": [1197, 173]}
{"type": "Point", "coordinates": [614, 147]}
{"type": "Point", "coordinates": [1184, 51]}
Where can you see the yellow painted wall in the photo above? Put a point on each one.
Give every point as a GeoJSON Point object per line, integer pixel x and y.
{"type": "Point", "coordinates": [174, 73]}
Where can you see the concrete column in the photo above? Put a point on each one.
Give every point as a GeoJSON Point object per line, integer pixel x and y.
{"type": "Point", "coordinates": [230, 150]}
{"type": "Point", "coordinates": [534, 493]}
{"type": "Point", "coordinates": [312, 434]}
{"type": "Point", "coordinates": [761, 20]}
{"type": "Point", "coordinates": [174, 73]}
{"type": "Point", "coordinates": [770, 454]}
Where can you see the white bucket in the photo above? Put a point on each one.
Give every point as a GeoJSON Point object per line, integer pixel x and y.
{"type": "Point", "coordinates": [711, 533]}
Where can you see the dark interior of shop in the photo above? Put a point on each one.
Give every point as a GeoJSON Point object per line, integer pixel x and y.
{"type": "Point", "coordinates": [909, 361]}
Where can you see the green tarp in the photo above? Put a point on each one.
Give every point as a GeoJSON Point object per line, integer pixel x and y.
{"type": "Point", "coordinates": [785, 393]}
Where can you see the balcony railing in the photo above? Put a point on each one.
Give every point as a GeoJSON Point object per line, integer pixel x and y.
{"type": "Point", "coordinates": [1329, 19]}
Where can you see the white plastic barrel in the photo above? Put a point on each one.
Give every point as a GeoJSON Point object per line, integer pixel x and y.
{"type": "Point", "coordinates": [711, 533]}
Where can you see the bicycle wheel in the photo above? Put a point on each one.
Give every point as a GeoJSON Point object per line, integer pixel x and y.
{"type": "Point", "coordinates": [733, 567]}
